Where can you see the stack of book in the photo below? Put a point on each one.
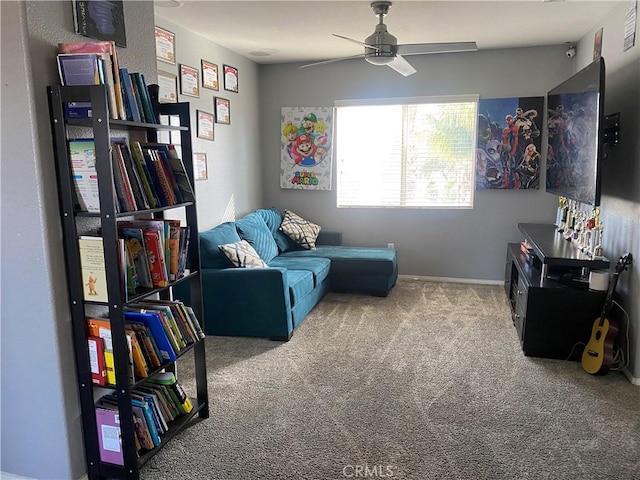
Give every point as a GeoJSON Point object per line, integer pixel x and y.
{"type": "Point", "coordinates": [157, 332]}
{"type": "Point", "coordinates": [152, 253]}
{"type": "Point", "coordinates": [96, 63]}
{"type": "Point", "coordinates": [145, 175]}
{"type": "Point", "coordinates": [155, 405]}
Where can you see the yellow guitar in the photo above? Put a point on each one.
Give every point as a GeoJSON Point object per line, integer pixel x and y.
{"type": "Point", "coordinates": [598, 354]}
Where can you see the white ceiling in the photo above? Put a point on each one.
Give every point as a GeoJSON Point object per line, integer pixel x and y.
{"type": "Point", "coordinates": [300, 31]}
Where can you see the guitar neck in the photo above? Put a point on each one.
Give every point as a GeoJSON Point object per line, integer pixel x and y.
{"type": "Point", "coordinates": [608, 302]}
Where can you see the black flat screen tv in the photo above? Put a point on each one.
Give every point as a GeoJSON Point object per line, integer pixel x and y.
{"type": "Point", "coordinates": [575, 127]}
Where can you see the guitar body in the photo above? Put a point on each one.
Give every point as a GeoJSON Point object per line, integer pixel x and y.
{"type": "Point", "coordinates": [598, 354]}
{"type": "Point", "coordinates": [597, 357]}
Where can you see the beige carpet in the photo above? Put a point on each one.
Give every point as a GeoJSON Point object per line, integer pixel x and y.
{"type": "Point", "coordinates": [428, 383]}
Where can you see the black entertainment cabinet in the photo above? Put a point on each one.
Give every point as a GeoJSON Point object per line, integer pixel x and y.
{"type": "Point", "coordinates": [551, 305]}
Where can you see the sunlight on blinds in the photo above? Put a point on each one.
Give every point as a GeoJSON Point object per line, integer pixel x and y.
{"type": "Point", "coordinates": [413, 155]}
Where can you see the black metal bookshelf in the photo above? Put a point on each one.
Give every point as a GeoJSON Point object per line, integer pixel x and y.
{"type": "Point", "coordinates": [101, 126]}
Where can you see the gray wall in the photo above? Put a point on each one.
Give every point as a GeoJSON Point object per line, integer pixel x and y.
{"type": "Point", "coordinates": [464, 244]}
{"type": "Point", "coordinates": [620, 204]}
{"type": "Point", "coordinates": [41, 428]}
{"type": "Point", "coordinates": [234, 185]}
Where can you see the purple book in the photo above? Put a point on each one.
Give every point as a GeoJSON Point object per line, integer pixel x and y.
{"type": "Point", "coordinates": [109, 436]}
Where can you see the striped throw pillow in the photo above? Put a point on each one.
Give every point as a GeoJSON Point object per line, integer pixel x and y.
{"type": "Point", "coordinates": [301, 231]}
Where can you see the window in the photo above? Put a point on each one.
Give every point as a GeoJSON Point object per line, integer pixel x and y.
{"type": "Point", "coordinates": [410, 152]}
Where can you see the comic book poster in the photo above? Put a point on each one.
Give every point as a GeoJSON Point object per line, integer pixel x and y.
{"type": "Point", "coordinates": [305, 145]}
{"type": "Point", "coordinates": [508, 150]}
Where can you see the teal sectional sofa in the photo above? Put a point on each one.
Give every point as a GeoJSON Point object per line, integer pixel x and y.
{"type": "Point", "coordinates": [272, 301]}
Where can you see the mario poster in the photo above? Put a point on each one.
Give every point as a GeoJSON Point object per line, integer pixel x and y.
{"type": "Point", "coordinates": [306, 147]}
{"type": "Point", "coordinates": [509, 143]}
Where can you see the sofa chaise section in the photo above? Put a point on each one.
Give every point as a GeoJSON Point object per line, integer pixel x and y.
{"type": "Point", "coordinates": [272, 301]}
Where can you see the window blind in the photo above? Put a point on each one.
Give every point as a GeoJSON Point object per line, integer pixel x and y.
{"type": "Point", "coordinates": [416, 152]}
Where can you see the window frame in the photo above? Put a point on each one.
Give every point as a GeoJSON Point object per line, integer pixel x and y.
{"type": "Point", "coordinates": [405, 101]}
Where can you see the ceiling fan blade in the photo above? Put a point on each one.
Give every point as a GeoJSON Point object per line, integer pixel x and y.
{"type": "Point", "coordinates": [401, 66]}
{"type": "Point", "coordinates": [324, 62]}
{"type": "Point", "coordinates": [355, 41]}
{"type": "Point", "coordinates": [427, 48]}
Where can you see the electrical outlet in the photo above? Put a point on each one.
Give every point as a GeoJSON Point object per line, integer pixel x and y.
{"type": "Point", "coordinates": [391, 245]}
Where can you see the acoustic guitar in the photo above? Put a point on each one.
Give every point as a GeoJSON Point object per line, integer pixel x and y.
{"type": "Point", "coordinates": [598, 354]}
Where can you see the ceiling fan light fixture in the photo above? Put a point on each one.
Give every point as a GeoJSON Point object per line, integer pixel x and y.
{"type": "Point", "coordinates": [379, 59]}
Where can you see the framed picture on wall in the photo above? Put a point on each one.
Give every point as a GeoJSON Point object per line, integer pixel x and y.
{"type": "Point", "coordinates": [168, 83]}
{"type": "Point", "coordinates": [200, 166]}
{"type": "Point", "coordinates": [205, 125]}
{"type": "Point", "coordinates": [223, 110]}
{"type": "Point", "coordinates": [165, 46]}
{"type": "Point", "coordinates": [102, 20]}
{"type": "Point", "coordinates": [189, 81]}
{"type": "Point", "coordinates": [209, 75]}
{"type": "Point", "coordinates": [230, 78]}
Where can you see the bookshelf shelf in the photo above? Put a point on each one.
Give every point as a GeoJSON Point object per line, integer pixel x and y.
{"type": "Point", "coordinates": [75, 223]}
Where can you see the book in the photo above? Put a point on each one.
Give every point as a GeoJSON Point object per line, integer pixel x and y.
{"type": "Point", "coordinates": [156, 414]}
{"type": "Point", "coordinates": [143, 172]}
{"type": "Point", "coordinates": [174, 171]}
{"type": "Point", "coordinates": [79, 69]}
{"type": "Point", "coordinates": [97, 360]}
{"type": "Point", "coordinates": [124, 193]}
{"type": "Point", "coordinates": [89, 69]}
{"type": "Point", "coordinates": [148, 416]}
{"type": "Point", "coordinates": [137, 98]}
{"type": "Point", "coordinates": [142, 429]}
{"type": "Point", "coordinates": [129, 96]}
{"type": "Point", "coordinates": [94, 274]}
{"type": "Point", "coordinates": [163, 393]}
{"type": "Point", "coordinates": [180, 175]}
{"type": "Point", "coordinates": [174, 248]}
{"type": "Point", "coordinates": [159, 175]}
{"type": "Point", "coordinates": [180, 314]}
{"type": "Point", "coordinates": [161, 409]}
{"type": "Point", "coordinates": [141, 368]}
{"type": "Point", "coordinates": [147, 343]}
{"type": "Point", "coordinates": [134, 177]}
{"type": "Point", "coordinates": [145, 99]}
{"type": "Point", "coordinates": [185, 234]}
{"type": "Point", "coordinates": [153, 321]}
{"type": "Point", "coordinates": [109, 435]}
{"type": "Point", "coordinates": [156, 238]}
{"type": "Point", "coordinates": [101, 47]}
{"type": "Point", "coordinates": [168, 379]}
{"type": "Point", "coordinates": [134, 243]}
{"type": "Point", "coordinates": [101, 328]}
{"type": "Point", "coordinates": [82, 153]}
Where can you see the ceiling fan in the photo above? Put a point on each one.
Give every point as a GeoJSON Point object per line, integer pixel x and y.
{"type": "Point", "coordinates": [381, 48]}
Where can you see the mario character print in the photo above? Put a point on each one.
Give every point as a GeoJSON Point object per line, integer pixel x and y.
{"type": "Point", "coordinates": [305, 147]}
{"type": "Point", "coordinates": [509, 143]}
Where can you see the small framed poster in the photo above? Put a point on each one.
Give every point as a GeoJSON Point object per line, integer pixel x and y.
{"type": "Point", "coordinates": [205, 125]}
{"type": "Point", "coordinates": [223, 110]}
{"type": "Point", "coordinates": [165, 46]}
{"type": "Point", "coordinates": [209, 75]}
{"type": "Point", "coordinates": [189, 81]}
{"type": "Point", "coordinates": [168, 83]}
{"type": "Point", "coordinates": [230, 78]}
{"type": "Point", "coordinates": [200, 166]}
{"type": "Point", "coordinates": [101, 20]}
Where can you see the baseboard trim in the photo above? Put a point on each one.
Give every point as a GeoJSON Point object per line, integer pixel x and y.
{"type": "Point", "coordinates": [422, 278]}
{"type": "Point", "coordinates": [634, 380]}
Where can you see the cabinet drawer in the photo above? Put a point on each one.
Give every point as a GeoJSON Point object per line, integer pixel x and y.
{"type": "Point", "coordinates": [521, 296]}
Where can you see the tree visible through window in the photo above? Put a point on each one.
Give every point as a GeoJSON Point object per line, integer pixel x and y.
{"type": "Point", "coordinates": [415, 154]}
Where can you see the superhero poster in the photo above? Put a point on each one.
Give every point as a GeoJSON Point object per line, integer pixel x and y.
{"type": "Point", "coordinates": [305, 144]}
{"type": "Point", "coordinates": [509, 143]}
